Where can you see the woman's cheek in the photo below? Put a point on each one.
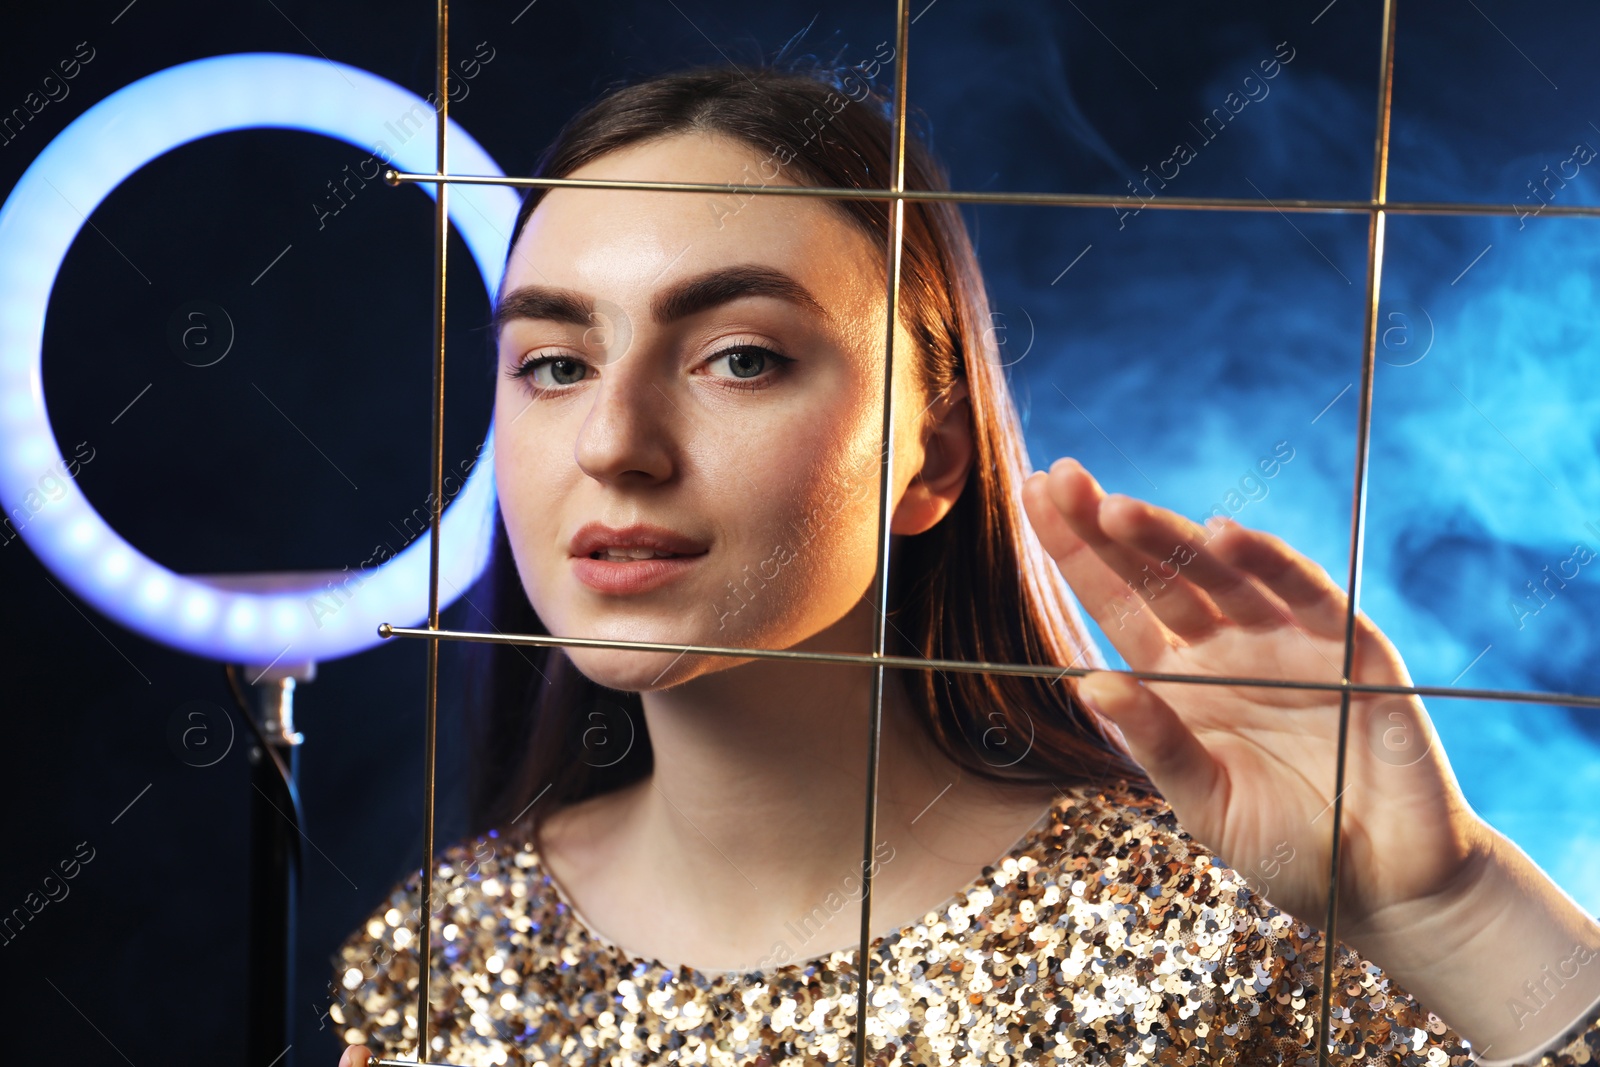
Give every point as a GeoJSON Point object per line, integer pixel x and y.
{"type": "Point", "coordinates": [778, 604]}
{"type": "Point", "coordinates": [794, 556]}
{"type": "Point", "coordinates": [531, 523]}
{"type": "Point", "coordinates": [836, 529]}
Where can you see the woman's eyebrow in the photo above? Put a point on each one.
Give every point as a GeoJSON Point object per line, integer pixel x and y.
{"type": "Point", "coordinates": [725, 284]}
{"type": "Point", "coordinates": [544, 302]}
{"type": "Point", "coordinates": [682, 299]}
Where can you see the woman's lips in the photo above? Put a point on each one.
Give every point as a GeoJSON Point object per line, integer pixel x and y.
{"type": "Point", "coordinates": [675, 555]}
{"type": "Point", "coordinates": [621, 578]}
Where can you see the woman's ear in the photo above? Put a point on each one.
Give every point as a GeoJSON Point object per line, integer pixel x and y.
{"type": "Point", "coordinates": [947, 449]}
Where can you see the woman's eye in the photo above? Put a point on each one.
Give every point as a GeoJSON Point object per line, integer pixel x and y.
{"type": "Point", "coordinates": [565, 371]}
{"type": "Point", "coordinates": [748, 361]}
{"type": "Point", "coordinates": [547, 372]}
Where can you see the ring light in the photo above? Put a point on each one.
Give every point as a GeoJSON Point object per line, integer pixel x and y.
{"type": "Point", "coordinates": [39, 222]}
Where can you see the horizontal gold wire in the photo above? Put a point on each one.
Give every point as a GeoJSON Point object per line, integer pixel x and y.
{"type": "Point", "coordinates": [1027, 670]}
{"type": "Point", "coordinates": [1167, 203]}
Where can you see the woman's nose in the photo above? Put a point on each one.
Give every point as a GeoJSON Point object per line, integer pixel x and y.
{"type": "Point", "coordinates": [631, 429]}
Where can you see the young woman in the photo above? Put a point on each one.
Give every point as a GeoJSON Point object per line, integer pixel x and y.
{"type": "Point", "coordinates": [687, 437]}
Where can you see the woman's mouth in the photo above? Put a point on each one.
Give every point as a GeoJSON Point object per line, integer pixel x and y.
{"type": "Point", "coordinates": [627, 555]}
{"type": "Point", "coordinates": [632, 559]}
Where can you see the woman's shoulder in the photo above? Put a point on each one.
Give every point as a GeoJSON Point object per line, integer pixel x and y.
{"type": "Point", "coordinates": [485, 890]}
{"type": "Point", "coordinates": [1133, 898]}
{"type": "Point", "coordinates": [1113, 827]}
{"type": "Point", "coordinates": [1122, 835]}
{"type": "Point", "coordinates": [1116, 864]}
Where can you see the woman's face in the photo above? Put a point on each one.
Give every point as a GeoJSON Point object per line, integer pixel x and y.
{"type": "Point", "coordinates": [709, 368]}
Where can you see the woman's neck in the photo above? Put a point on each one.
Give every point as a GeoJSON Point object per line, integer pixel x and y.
{"type": "Point", "coordinates": [753, 817]}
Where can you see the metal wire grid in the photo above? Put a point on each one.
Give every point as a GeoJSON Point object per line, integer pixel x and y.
{"type": "Point", "coordinates": [1377, 209]}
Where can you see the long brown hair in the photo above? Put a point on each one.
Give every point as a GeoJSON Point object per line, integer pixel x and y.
{"type": "Point", "coordinates": [977, 586]}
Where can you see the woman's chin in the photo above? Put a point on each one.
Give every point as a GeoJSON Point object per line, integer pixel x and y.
{"type": "Point", "coordinates": [637, 672]}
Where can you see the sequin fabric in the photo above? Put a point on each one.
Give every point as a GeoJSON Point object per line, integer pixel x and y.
{"type": "Point", "coordinates": [1105, 936]}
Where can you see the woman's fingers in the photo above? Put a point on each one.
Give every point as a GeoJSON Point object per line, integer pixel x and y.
{"type": "Point", "coordinates": [355, 1056]}
{"type": "Point", "coordinates": [1165, 555]}
{"type": "Point", "coordinates": [1138, 579]}
{"type": "Point", "coordinates": [1316, 600]}
{"type": "Point", "coordinates": [1195, 578]}
{"type": "Point", "coordinates": [1182, 549]}
{"type": "Point", "coordinates": [1118, 611]}
{"type": "Point", "coordinates": [1181, 767]}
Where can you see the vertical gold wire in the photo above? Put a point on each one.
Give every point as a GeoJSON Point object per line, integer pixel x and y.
{"type": "Point", "coordinates": [1358, 509]}
{"type": "Point", "coordinates": [897, 168]}
{"type": "Point", "coordinates": [441, 234]}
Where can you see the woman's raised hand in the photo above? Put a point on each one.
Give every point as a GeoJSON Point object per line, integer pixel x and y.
{"type": "Point", "coordinates": [1249, 771]}
{"type": "Point", "coordinates": [355, 1056]}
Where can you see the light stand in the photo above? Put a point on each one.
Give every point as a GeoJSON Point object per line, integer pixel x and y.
{"type": "Point", "coordinates": [266, 701]}
{"type": "Point", "coordinates": [237, 620]}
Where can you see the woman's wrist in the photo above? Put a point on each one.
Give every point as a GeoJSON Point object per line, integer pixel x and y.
{"type": "Point", "coordinates": [1503, 955]}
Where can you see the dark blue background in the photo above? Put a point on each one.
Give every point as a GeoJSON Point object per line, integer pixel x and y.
{"type": "Point", "coordinates": [1176, 351]}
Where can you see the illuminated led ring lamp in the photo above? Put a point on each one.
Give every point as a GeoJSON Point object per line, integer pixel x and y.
{"type": "Point", "coordinates": [38, 223]}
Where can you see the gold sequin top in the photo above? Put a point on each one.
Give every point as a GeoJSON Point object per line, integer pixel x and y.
{"type": "Point", "coordinates": [1105, 936]}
